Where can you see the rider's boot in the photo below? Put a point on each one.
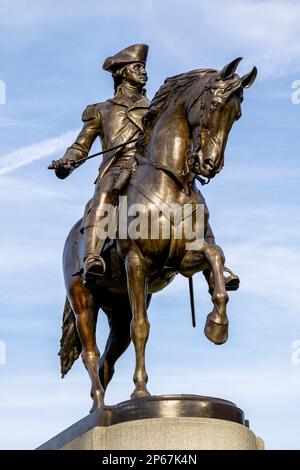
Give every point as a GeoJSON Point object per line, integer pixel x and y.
{"type": "Point", "coordinates": [94, 265]}
{"type": "Point", "coordinates": [232, 282]}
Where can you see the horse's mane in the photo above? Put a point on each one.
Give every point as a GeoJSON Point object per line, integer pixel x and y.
{"type": "Point", "coordinates": [173, 87]}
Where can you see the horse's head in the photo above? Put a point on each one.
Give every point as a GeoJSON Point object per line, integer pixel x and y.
{"type": "Point", "coordinates": [213, 113]}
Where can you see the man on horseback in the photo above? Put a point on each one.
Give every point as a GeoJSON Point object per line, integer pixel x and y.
{"type": "Point", "coordinates": [116, 121]}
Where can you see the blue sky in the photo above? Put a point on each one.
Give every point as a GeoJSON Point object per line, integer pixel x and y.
{"type": "Point", "coordinates": [51, 52]}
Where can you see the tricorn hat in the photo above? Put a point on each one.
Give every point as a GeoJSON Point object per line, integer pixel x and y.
{"type": "Point", "coordinates": [135, 53]}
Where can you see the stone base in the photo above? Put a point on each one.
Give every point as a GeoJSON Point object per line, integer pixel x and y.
{"type": "Point", "coordinates": [169, 434]}
{"type": "Point", "coordinates": [169, 422]}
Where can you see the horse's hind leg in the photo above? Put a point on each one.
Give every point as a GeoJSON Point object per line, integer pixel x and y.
{"type": "Point", "coordinates": [82, 302]}
{"type": "Point", "coordinates": [216, 327]}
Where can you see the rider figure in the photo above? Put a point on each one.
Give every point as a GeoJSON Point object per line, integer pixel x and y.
{"type": "Point", "coordinates": [116, 122]}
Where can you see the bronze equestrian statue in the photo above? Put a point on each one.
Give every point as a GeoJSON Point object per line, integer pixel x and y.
{"type": "Point", "coordinates": [180, 137]}
{"type": "Point", "coordinates": [117, 122]}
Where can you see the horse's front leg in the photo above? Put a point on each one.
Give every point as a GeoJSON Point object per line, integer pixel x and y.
{"type": "Point", "coordinates": [139, 327]}
{"type": "Point", "coordinates": [82, 302]}
{"type": "Point", "coordinates": [216, 327]}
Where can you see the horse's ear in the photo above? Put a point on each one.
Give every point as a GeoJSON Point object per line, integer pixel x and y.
{"type": "Point", "coordinates": [230, 68]}
{"type": "Point", "coordinates": [248, 80]}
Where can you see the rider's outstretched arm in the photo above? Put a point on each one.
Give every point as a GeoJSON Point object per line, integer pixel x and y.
{"type": "Point", "coordinates": [91, 129]}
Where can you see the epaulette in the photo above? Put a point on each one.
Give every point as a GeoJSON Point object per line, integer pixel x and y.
{"type": "Point", "coordinates": [90, 112]}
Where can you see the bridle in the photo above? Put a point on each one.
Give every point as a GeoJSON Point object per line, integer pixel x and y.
{"type": "Point", "coordinates": [190, 154]}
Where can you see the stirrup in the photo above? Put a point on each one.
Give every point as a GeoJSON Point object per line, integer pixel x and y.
{"type": "Point", "coordinates": [232, 282]}
{"type": "Point", "coordinates": [94, 268]}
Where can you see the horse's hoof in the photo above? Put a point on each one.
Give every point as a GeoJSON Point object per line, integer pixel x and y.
{"type": "Point", "coordinates": [216, 332]}
{"type": "Point", "coordinates": [97, 406]}
{"type": "Point", "coordinates": [98, 403]}
{"type": "Point", "coordinates": [140, 394]}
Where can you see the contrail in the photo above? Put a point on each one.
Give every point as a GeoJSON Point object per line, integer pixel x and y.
{"type": "Point", "coordinates": [26, 155]}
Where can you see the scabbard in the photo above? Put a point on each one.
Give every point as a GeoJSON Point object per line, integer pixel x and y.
{"type": "Point", "coordinates": [191, 286]}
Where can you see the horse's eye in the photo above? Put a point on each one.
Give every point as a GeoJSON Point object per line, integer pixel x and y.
{"type": "Point", "coordinates": [214, 105]}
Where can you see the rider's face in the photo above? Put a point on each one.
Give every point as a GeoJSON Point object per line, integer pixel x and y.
{"type": "Point", "coordinates": [135, 74]}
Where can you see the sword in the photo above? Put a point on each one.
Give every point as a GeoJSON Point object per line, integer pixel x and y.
{"type": "Point", "coordinates": [192, 301]}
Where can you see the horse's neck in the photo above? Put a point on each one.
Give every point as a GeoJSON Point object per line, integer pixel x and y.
{"type": "Point", "coordinates": [170, 139]}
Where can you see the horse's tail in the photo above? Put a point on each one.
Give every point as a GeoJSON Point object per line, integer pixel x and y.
{"type": "Point", "coordinates": [70, 346]}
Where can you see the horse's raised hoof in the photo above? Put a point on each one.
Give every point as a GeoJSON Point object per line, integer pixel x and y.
{"type": "Point", "coordinates": [140, 394]}
{"type": "Point", "coordinates": [216, 332]}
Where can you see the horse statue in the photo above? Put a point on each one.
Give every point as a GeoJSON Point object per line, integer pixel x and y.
{"type": "Point", "coordinates": [185, 134]}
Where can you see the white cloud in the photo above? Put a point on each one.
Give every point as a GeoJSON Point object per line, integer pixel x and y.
{"type": "Point", "coordinates": [239, 173]}
{"type": "Point", "coordinates": [16, 190]}
{"type": "Point", "coordinates": [36, 13]}
{"type": "Point", "coordinates": [265, 32]}
{"type": "Point", "coordinates": [9, 122]}
{"type": "Point", "coordinates": [28, 154]}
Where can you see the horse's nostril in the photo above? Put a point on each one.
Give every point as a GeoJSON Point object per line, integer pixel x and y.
{"type": "Point", "coordinates": [209, 163]}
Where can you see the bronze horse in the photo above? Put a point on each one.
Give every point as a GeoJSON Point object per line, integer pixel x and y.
{"type": "Point", "coordinates": [185, 134]}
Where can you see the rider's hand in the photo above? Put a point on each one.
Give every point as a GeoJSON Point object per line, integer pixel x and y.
{"type": "Point", "coordinates": [62, 164]}
{"type": "Point", "coordinates": [62, 167]}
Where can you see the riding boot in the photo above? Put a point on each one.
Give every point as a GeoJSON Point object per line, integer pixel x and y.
{"type": "Point", "coordinates": [94, 265]}
{"type": "Point", "coordinates": [232, 282]}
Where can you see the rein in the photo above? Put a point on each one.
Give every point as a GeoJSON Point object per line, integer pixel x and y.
{"type": "Point", "coordinates": [173, 171]}
{"type": "Point", "coordinates": [161, 166]}
{"type": "Point", "coordinates": [75, 164]}
{"type": "Point", "coordinates": [190, 155]}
